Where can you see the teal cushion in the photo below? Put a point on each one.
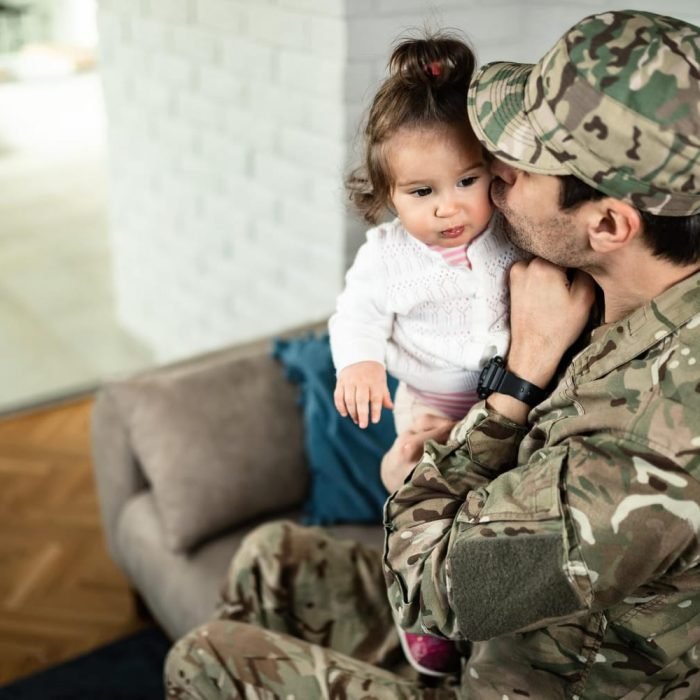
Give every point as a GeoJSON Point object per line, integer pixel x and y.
{"type": "Point", "coordinates": [344, 459]}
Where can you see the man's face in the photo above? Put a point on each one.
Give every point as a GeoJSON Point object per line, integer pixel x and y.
{"type": "Point", "coordinates": [530, 203]}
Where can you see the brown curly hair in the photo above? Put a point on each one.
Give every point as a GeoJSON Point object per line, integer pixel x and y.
{"type": "Point", "coordinates": [426, 88]}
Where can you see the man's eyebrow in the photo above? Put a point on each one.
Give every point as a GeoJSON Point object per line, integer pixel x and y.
{"type": "Point", "coordinates": [413, 183]}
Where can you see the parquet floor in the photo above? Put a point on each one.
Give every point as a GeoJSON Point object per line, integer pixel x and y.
{"type": "Point", "coordinates": [60, 594]}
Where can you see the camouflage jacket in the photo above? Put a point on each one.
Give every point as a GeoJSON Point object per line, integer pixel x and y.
{"type": "Point", "coordinates": [567, 552]}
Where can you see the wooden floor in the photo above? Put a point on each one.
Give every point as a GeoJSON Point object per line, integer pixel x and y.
{"type": "Point", "coordinates": [60, 594]}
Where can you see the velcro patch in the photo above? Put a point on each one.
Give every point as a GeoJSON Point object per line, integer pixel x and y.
{"type": "Point", "coordinates": [503, 584]}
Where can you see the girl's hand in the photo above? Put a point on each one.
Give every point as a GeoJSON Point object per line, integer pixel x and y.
{"type": "Point", "coordinates": [359, 387]}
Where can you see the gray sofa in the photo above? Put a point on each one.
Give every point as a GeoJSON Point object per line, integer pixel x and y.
{"type": "Point", "coordinates": [188, 458]}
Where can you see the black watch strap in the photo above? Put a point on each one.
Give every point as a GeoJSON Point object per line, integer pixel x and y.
{"type": "Point", "coordinates": [496, 378]}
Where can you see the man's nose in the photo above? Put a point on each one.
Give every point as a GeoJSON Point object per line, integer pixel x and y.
{"type": "Point", "coordinates": [503, 170]}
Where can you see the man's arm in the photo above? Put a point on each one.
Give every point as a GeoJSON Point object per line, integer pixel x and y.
{"type": "Point", "coordinates": [580, 527]}
{"type": "Point", "coordinates": [419, 516]}
{"type": "Point", "coordinates": [547, 314]}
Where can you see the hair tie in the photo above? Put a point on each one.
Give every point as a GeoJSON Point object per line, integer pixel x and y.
{"type": "Point", "coordinates": [434, 68]}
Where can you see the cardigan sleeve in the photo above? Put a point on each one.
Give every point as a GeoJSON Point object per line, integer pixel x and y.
{"type": "Point", "coordinates": [361, 324]}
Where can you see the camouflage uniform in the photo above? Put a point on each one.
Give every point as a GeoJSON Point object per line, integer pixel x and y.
{"type": "Point", "coordinates": [580, 566]}
{"type": "Point", "coordinates": [303, 616]}
{"type": "Point", "coordinates": [566, 551]}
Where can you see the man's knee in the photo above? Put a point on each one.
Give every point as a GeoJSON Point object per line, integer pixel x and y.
{"type": "Point", "coordinates": [180, 663]}
{"type": "Point", "coordinates": [198, 661]}
{"type": "Point", "coordinates": [261, 542]}
{"type": "Point", "coordinates": [229, 659]}
{"type": "Point", "coordinates": [256, 546]}
{"type": "Point", "coordinates": [267, 545]}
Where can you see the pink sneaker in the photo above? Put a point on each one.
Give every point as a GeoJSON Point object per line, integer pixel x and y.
{"type": "Point", "coordinates": [430, 655]}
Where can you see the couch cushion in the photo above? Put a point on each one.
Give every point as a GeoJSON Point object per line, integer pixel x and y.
{"type": "Point", "coordinates": [344, 459]}
{"type": "Point", "coordinates": [219, 446]}
{"type": "Point", "coordinates": [182, 590]}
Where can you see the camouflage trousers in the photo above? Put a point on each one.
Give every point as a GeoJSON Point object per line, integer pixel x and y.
{"type": "Point", "coordinates": [303, 616]}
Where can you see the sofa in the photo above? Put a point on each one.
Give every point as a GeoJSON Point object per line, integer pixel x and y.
{"type": "Point", "coordinates": [188, 458]}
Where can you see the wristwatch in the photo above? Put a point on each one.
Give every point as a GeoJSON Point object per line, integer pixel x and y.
{"type": "Point", "coordinates": [496, 378]}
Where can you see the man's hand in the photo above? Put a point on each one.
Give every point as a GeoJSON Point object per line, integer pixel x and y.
{"type": "Point", "coordinates": [547, 314]}
{"type": "Point", "coordinates": [407, 449]}
{"type": "Point", "coordinates": [360, 387]}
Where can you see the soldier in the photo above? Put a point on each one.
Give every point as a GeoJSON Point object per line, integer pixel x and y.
{"type": "Point", "coordinates": [556, 540]}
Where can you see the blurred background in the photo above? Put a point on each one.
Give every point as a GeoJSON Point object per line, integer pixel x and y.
{"type": "Point", "coordinates": [59, 332]}
{"type": "Point", "coordinates": [170, 170]}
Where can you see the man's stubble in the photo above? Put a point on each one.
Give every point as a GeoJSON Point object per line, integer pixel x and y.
{"type": "Point", "coordinates": [552, 238]}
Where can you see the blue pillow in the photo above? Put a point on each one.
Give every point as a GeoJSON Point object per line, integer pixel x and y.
{"type": "Point", "coordinates": [344, 459]}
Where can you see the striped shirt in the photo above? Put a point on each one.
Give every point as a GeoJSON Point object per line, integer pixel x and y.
{"type": "Point", "coordinates": [453, 256]}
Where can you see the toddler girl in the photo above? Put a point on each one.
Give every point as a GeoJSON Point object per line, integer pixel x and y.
{"type": "Point", "coordinates": [426, 298]}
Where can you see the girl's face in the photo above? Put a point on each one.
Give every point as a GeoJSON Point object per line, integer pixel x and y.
{"type": "Point", "coordinates": [440, 185]}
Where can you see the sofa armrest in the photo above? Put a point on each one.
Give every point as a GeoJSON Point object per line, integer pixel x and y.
{"type": "Point", "coordinates": [117, 472]}
{"type": "Point", "coordinates": [219, 440]}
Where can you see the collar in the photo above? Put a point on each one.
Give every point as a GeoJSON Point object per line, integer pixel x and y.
{"type": "Point", "coordinates": [453, 256]}
{"type": "Point", "coordinates": [615, 344]}
{"type": "Point", "coordinates": [482, 246]}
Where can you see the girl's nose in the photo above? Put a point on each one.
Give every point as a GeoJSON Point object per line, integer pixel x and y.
{"type": "Point", "coordinates": [446, 206]}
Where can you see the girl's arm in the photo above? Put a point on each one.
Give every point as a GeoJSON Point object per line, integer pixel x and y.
{"type": "Point", "coordinates": [358, 332]}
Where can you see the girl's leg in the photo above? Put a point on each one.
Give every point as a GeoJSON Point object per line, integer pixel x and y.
{"type": "Point", "coordinates": [408, 407]}
{"type": "Point", "coordinates": [407, 448]}
{"type": "Point", "coordinates": [429, 655]}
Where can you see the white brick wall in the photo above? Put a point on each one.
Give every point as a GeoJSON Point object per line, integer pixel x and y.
{"type": "Point", "coordinates": [231, 125]}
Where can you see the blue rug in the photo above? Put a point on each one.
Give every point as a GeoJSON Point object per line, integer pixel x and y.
{"type": "Point", "coordinates": [129, 669]}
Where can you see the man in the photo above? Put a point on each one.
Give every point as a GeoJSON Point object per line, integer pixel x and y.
{"type": "Point", "coordinates": [562, 540]}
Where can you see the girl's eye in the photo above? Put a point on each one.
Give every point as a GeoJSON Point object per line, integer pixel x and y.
{"type": "Point", "coordinates": [467, 181]}
{"type": "Point", "coordinates": [422, 192]}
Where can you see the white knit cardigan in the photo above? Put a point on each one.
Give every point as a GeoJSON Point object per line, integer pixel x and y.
{"type": "Point", "coordinates": [431, 324]}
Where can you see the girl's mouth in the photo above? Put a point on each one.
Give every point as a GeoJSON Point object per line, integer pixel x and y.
{"type": "Point", "coordinates": [455, 232]}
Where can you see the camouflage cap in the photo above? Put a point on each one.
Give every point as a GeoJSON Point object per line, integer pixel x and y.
{"type": "Point", "coordinates": [615, 102]}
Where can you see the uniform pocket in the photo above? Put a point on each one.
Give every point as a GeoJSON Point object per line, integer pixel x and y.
{"type": "Point", "coordinates": [527, 493]}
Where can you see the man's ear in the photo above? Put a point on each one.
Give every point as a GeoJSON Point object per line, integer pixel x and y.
{"type": "Point", "coordinates": [612, 224]}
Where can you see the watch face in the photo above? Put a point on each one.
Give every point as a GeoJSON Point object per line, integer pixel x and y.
{"type": "Point", "coordinates": [490, 377]}
{"type": "Point", "coordinates": [494, 377]}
